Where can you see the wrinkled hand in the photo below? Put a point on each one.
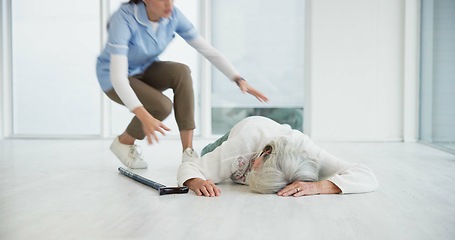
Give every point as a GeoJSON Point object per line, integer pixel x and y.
{"type": "Point", "coordinates": [246, 88]}
{"type": "Point", "coordinates": [150, 125]}
{"type": "Point", "coordinates": [298, 189]}
{"type": "Point", "coordinates": [203, 187]}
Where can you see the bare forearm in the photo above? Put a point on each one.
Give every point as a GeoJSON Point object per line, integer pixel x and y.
{"type": "Point", "coordinates": [327, 187]}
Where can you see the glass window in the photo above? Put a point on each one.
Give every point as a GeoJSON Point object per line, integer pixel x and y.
{"type": "Point", "coordinates": [437, 74]}
{"type": "Point", "coordinates": [266, 45]}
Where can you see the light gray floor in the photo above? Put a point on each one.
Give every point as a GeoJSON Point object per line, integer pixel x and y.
{"type": "Point", "coordinates": [70, 189]}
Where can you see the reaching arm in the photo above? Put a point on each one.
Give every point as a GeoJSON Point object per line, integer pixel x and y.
{"type": "Point", "coordinates": [213, 165]}
{"type": "Point", "coordinates": [348, 177]}
{"type": "Point", "coordinates": [335, 174]}
{"type": "Point", "coordinates": [121, 84]}
{"type": "Point", "coordinates": [223, 64]}
{"type": "Point", "coordinates": [119, 78]}
{"type": "Point", "coordinates": [215, 57]}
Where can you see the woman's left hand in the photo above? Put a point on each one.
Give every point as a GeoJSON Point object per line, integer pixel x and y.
{"type": "Point", "coordinates": [246, 88]}
{"type": "Point", "coordinates": [298, 188]}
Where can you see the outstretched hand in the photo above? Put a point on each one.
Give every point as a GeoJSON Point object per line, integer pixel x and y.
{"type": "Point", "coordinates": [150, 125]}
{"type": "Point", "coordinates": [203, 187]}
{"type": "Point", "coordinates": [246, 88]}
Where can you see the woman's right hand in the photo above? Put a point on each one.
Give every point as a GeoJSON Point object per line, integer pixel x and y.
{"type": "Point", "coordinates": [203, 187]}
{"type": "Point", "coordinates": [246, 88]}
{"type": "Point", "coordinates": [150, 125]}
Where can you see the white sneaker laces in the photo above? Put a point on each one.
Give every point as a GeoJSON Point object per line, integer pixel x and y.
{"type": "Point", "coordinates": [135, 152]}
{"type": "Point", "coordinates": [190, 152]}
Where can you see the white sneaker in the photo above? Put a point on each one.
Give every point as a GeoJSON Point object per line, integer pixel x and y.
{"type": "Point", "coordinates": [189, 154]}
{"type": "Point", "coordinates": [128, 154]}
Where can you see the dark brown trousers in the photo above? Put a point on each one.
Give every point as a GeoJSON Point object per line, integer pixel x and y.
{"type": "Point", "coordinates": [149, 88]}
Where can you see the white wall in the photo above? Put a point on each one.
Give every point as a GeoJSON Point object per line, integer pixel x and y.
{"type": "Point", "coordinates": [355, 82]}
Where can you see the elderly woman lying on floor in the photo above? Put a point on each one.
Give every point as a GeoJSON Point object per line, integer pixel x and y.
{"type": "Point", "coordinates": [272, 158]}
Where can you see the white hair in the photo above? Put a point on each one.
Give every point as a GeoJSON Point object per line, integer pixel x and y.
{"type": "Point", "coordinates": [287, 163]}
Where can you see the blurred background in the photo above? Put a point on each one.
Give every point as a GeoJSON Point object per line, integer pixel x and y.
{"type": "Point", "coordinates": [375, 70]}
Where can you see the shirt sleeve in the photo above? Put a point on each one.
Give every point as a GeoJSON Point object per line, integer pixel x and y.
{"type": "Point", "coordinates": [118, 70]}
{"type": "Point", "coordinates": [184, 27]}
{"type": "Point", "coordinates": [217, 165]}
{"type": "Point", "coordinates": [119, 33]}
{"type": "Point", "coordinates": [209, 166]}
{"type": "Point", "coordinates": [349, 177]}
{"type": "Point", "coordinates": [214, 56]}
{"type": "Point", "coordinates": [355, 179]}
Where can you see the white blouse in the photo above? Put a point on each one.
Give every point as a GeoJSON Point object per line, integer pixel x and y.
{"type": "Point", "coordinates": [232, 159]}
